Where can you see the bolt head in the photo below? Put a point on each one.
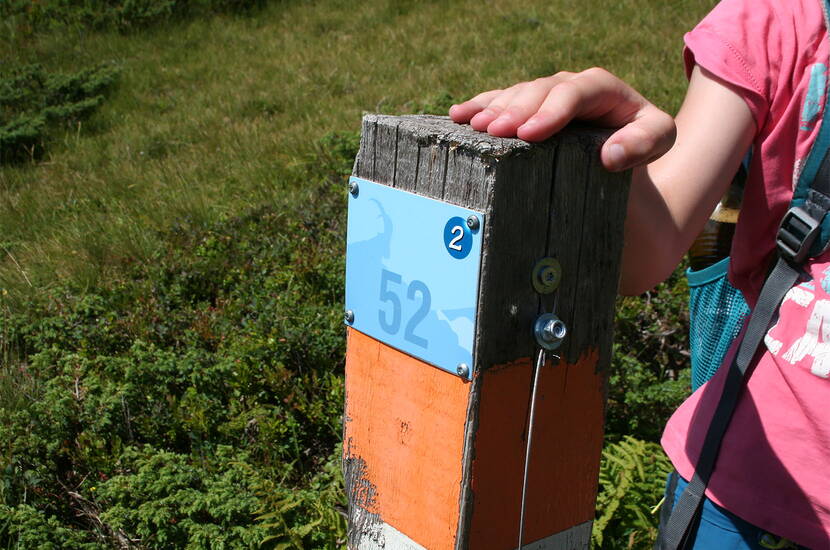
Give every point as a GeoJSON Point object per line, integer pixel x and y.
{"type": "Point", "coordinates": [348, 316]}
{"type": "Point", "coordinates": [473, 223]}
{"type": "Point", "coordinates": [463, 370]}
{"type": "Point", "coordinates": [354, 188]}
{"type": "Point", "coordinates": [550, 331]}
{"type": "Point", "coordinates": [555, 330]}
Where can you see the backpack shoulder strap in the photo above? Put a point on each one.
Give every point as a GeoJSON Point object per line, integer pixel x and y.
{"type": "Point", "coordinates": [812, 190]}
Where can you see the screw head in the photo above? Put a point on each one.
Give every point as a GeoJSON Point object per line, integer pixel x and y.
{"type": "Point", "coordinates": [354, 188]}
{"type": "Point", "coordinates": [462, 370]}
{"type": "Point", "coordinates": [547, 274]}
{"type": "Point", "coordinates": [348, 316]}
{"type": "Point", "coordinates": [473, 223]}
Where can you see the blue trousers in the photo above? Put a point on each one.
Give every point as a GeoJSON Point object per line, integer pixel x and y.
{"type": "Point", "coordinates": [719, 529]}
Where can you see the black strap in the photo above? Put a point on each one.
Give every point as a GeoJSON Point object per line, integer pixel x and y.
{"type": "Point", "coordinates": [668, 501]}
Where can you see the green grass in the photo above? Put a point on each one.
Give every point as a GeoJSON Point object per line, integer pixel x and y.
{"type": "Point", "coordinates": [217, 115]}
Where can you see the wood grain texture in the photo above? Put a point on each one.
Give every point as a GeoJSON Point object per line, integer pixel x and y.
{"type": "Point", "coordinates": [567, 441]}
{"type": "Point", "coordinates": [549, 199]}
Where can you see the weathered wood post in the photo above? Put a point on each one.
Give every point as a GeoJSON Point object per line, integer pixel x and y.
{"type": "Point", "coordinates": [434, 446]}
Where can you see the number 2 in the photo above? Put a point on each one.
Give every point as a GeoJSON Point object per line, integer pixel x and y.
{"type": "Point", "coordinates": [409, 334]}
{"type": "Point", "coordinates": [454, 242]}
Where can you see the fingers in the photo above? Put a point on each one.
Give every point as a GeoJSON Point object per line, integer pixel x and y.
{"type": "Point", "coordinates": [511, 106]}
{"type": "Point", "coordinates": [522, 105]}
{"type": "Point", "coordinates": [463, 112]}
{"type": "Point", "coordinates": [560, 106]}
{"type": "Point", "coordinates": [594, 95]}
{"type": "Point", "coordinates": [645, 131]}
{"type": "Point", "coordinates": [534, 111]}
{"type": "Point", "coordinates": [482, 120]}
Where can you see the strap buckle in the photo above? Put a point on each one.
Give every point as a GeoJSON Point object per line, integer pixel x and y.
{"type": "Point", "coordinates": [796, 234]}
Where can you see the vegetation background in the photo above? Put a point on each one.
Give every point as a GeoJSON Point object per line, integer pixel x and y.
{"type": "Point", "coordinates": [172, 208]}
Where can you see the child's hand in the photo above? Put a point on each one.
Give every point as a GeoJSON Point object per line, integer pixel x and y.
{"type": "Point", "coordinates": [535, 110]}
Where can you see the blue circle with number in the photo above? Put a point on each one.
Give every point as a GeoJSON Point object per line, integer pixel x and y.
{"type": "Point", "coordinates": [457, 238]}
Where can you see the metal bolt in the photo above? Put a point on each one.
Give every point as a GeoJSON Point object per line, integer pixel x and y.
{"type": "Point", "coordinates": [462, 370]}
{"type": "Point", "coordinates": [348, 316]}
{"type": "Point", "coordinates": [354, 188]}
{"type": "Point", "coordinates": [473, 223]}
{"type": "Point", "coordinates": [555, 330]}
{"type": "Point", "coordinates": [549, 331]}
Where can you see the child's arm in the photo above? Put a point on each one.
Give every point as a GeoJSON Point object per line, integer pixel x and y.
{"type": "Point", "coordinates": [672, 196]}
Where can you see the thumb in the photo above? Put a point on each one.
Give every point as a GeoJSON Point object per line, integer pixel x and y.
{"type": "Point", "coordinates": [648, 137]}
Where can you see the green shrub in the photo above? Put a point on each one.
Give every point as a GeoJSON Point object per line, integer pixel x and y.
{"type": "Point", "coordinates": [24, 526]}
{"type": "Point", "coordinates": [650, 374]}
{"type": "Point", "coordinates": [310, 518]}
{"type": "Point", "coordinates": [122, 15]}
{"type": "Point", "coordinates": [649, 379]}
{"type": "Point", "coordinates": [631, 483]}
{"type": "Point", "coordinates": [220, 360]}
{"type": "Point", "coordinates": [162, 499]}
{"type": "Point", "coordinates": [35, 104]}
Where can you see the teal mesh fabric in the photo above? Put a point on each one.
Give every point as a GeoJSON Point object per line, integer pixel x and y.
{"type": "Point", "coordinates": [717, 311]}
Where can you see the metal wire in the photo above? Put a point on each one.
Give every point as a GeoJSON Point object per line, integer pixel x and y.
{"type": "Point", "coordinates": [540, 360]}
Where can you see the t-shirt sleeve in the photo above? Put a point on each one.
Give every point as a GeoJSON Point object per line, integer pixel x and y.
{"type": "Point", "coordinates": [741, 42]}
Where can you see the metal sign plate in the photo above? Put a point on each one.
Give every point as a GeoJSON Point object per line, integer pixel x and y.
{"type": "Point", "coordinates": [412, 270]}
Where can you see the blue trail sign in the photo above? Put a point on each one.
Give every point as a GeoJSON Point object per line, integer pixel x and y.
{"type": "Point", "coordinates": [412, 272]}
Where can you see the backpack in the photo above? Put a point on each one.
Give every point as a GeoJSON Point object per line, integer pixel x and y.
{"type": "Point", "coordinates": [717, 310]}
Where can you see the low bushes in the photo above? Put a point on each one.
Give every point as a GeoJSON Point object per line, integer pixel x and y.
{"type": "Point", "coordinates": [35, 104]}
{"type": "Point", "coordinates": [176, 404]}
{"type": "Point", "coordinates": [122, 15]}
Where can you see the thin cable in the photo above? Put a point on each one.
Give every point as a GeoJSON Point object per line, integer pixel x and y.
{"type": "Point", "coordinates": [540, 360]}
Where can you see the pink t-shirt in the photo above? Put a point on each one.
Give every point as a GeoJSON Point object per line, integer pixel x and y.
{"type": "Point", "coordinates": [774, 465]}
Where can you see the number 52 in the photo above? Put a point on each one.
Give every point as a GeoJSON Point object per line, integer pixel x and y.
{"type": "Point", "coordinates": [388, 281]}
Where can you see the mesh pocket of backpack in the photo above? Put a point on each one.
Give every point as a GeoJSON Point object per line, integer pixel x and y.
{"type": "Point", "coordinates": [717, 311]}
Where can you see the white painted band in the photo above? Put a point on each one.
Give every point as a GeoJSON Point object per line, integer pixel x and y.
{"type": "Point", "coordinates": [386, 537]}
{"type": "Point", "coordinates": [575, 538]}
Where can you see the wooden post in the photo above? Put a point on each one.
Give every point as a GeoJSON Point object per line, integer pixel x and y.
{"type": "Point", "coordinates": [435, 461]}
